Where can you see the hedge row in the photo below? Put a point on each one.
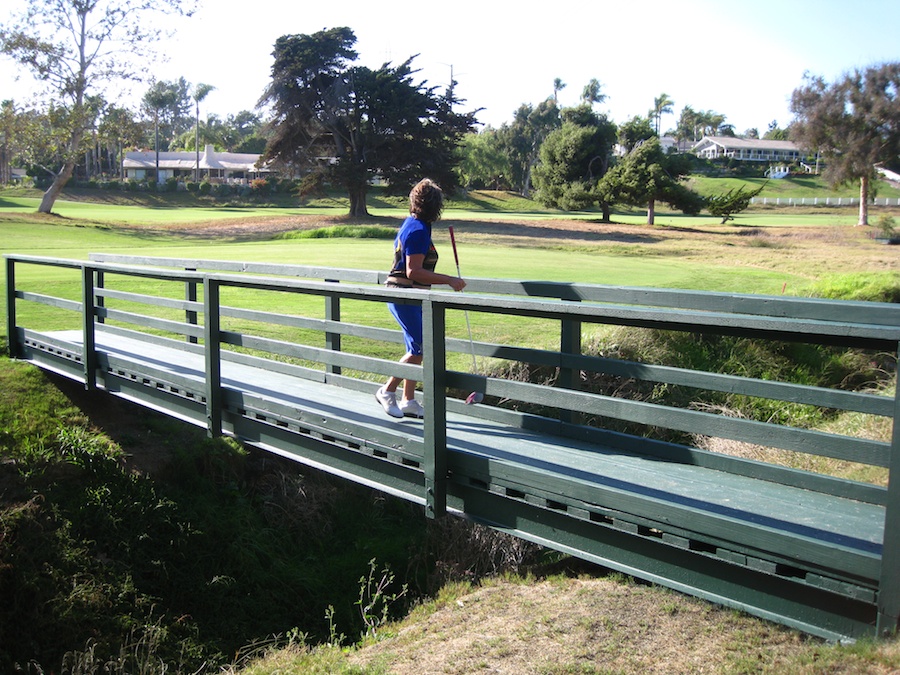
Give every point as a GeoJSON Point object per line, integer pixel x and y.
{"type": "Point", "coordinates": [258, 186]}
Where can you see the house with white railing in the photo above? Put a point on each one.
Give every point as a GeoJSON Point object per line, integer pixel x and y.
{"type": "Point", "coordinates": [747, 149]}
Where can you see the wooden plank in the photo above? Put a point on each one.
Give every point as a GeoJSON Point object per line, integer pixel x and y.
{"type": "Point", "coordinates": [733, 303]}
{"type": "Point", "coordinates": [177, 327]}
{"type": "Point", "coordinates": [308, 271]}
{"type": "Point", "coordinates": [50, 301]}
{"type": "Point", "coordinates": [762, 433]}
{"type": "Point", "coordinates": [732, 384]}
{"type": "Point", "coordinates": [873, 335]}
{"type": "Point", "coordinates": [151, 300]}
{"type": "Point", "coordinates": [324, 355]}
{"type": "Point", "coordinates": [322, 325]}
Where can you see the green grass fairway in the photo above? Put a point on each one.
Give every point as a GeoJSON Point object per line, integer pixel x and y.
{"type": "Point", "coordinates": [477, 261]}
{"type": "Point", "coordinates": [82, 227]}
{"type": "Point", "coordinates": [125, 213]}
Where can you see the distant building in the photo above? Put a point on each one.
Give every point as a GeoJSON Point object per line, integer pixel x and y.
{"type": "Point", "coordinates": [216, 166]}
{"type": "Point", "coordinates": [747, 149]}
{"type": "Point", "coordinates": [671, 144]}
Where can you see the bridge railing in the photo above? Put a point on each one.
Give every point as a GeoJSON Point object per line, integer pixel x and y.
{"type": "Point", "coordinates": [700, 313]}
{"type": "Point", "coordinates": [330, 325]}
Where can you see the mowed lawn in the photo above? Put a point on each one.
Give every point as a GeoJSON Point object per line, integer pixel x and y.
{"type": "Point", "coordinates": [680, 252]}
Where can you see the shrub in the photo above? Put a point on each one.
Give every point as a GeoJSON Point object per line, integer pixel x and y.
{"type": "Point", "coordinates": [205, 187]}
{"type": "Point", "coordinates": [342, 232]}
{"type": "Point", "coordinates": [286, 185]}
{"type": "Point", "coordinates": [886, 225]}
{"type": "Point", "coordinates": [222, 190]}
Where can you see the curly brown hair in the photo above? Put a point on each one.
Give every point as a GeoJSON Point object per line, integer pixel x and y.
{"type": "Point", "coordinates": [426, 200]}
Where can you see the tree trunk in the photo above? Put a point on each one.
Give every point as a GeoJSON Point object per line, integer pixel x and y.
{"type": "Point", "coordinates": [863, 201]}
{"type": "Point", "coordinates": [526, 181]}
{"type": "Point", "coordinates": [357, 196]}
{"type": "Point", "coordinates": [56, 187]}
{"type": "Point", "coordinates": [651, 212]}
{"type": "Point", "coordinates": [606, 211]}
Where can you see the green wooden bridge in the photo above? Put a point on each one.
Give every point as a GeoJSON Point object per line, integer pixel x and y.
{"type": "Point", "coordinates": [595, 475]}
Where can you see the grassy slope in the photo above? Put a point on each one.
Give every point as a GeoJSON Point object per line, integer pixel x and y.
{"type": "Point", "coordinates": [792, 186]}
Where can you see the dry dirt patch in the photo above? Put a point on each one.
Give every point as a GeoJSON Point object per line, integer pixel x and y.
{"type": "Point", "coordinates": [584, 625]}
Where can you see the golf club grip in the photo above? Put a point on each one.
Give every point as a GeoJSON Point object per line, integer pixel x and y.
{"type": "Point", "coordinates": [453, 244]}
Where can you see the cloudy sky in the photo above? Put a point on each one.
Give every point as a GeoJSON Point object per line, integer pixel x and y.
{"type": "Point", "coordinates": [735, 57]}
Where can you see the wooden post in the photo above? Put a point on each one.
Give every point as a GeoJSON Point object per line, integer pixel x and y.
{"type": "Point", "coordinates": [435, 386]}
{"type": "Point", "coordinates": [12, 338]}
{"type": "Point", "coordinates": [889, 585]}
{"type": "Point", "coordinates": [212, 351]}
{"type": "Point", "coordinates": [190, 294]}
{"type": "Point", "coordinates": [569, 343]}
{"type": "Point", "coordinates": [333, 313]}
{"type": "Point", "coordinates": [100, 282]}
{"type": "Point", "coordinates": [89, 346]}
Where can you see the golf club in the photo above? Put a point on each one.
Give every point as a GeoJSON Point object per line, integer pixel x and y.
{"type": "Point", "coordinates": [475, 396]}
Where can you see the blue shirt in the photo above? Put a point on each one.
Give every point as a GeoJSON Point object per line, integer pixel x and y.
{"type": "Point", "coordinates": [413, 238]}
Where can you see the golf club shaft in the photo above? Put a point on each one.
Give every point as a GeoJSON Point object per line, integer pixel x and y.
{"type": "Point", "coordinates": [465, 312]}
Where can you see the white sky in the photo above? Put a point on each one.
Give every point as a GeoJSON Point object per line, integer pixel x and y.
{"type": "Point", "coordinates": [740, 58]}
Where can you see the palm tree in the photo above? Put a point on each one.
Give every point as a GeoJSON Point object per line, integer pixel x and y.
{"type": "Point", "coordinates": [200, 92]}
{"type": "Point", "coordinates": [591, 92]}
{"type": "Point", "coordinates": [662, 104]}
{"type": "Point", "coordinates": [159, 96]}
{"type": "Point", "coordinates": [558, 86]}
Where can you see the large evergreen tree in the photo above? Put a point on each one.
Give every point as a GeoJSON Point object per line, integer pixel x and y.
{"type": "Point", "coordinates": [647, 175]}
{"type": "Point", "coordinates": [350, 123]}
{"type": "Point", "coordinates": [573, 160]}
{"type": "Point", "coordinates": [854, 123]}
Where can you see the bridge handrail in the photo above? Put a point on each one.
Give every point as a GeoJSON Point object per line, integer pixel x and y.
{"type": "Point", "coordinates": [569, 313]}
{"type": "Point", "coordinates": [809, 308]}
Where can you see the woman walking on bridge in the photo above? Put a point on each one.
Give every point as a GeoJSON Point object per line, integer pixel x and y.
{"type": "Point", "coordinates": [415, 259]}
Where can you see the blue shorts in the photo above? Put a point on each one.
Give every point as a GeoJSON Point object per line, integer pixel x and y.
{"type": "Point", "coordinates": [410, 319]}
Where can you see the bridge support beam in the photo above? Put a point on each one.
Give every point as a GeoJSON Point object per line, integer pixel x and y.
{"type": "Point", "coordinates": [434, 322]}
{"type": "Point", "coordinates": [89, 344]}
{"type": "Point", "coordinates": [333, 339]}
{"type": "Point", "coordinates": [213, 355]}
{"type": "Point", "coordinates": [11, 330]}
{"type": "Point", "coordinates": [889, 587]}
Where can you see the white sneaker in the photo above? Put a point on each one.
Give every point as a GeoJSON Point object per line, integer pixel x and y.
{"type": "Point", "coordinates": [388, 401]}
{"type": "Point", "coordinates": [412, 408]}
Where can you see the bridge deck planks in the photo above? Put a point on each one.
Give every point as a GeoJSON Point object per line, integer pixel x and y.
{"type": "Point", "coordinates": [829, 521]}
